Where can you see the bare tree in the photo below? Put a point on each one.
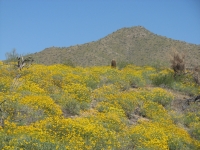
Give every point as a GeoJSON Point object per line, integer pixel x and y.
{"type": "Point", "coordinates": [22, 62]}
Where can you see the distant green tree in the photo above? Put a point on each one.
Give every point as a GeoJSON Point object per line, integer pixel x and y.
{"type": "Point", "coordinates": [12, 56]}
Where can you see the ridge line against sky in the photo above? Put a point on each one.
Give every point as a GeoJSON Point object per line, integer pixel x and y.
{"type": "Point", "coordinates": [32, 26]}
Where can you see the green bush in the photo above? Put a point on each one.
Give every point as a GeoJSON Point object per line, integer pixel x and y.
{"type": "Point", "coordinates": [72, 107]}
{"type": "Point", "coordinates": [26, 142]}
{"type": "Point", "coordinates": [175, 144]}
{"type": "Point", "coordinates": [190, 118]}
{"type": "Point", "coordinates": [166, 80]}
{"type": "Point", "coordinates": [195, 131]}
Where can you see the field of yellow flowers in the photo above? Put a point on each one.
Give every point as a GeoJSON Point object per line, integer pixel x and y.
{"type": "Point", "coordinates": [95, 108]}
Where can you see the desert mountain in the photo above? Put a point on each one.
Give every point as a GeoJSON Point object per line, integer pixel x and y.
{"type": "Point", "coordinates": [134, 45]}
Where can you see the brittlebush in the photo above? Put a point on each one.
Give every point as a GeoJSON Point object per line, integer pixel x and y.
{"type": "Point", "coordinates": [121, 112]}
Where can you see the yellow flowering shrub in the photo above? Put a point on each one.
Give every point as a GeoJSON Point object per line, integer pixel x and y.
{"type": "Point", "coordinates": [133, 75]}
{"type": "Point", "coordinates": [42, 102]}
{"type": "Point", "coordinates": [79, 133]}
{"type": "Point", "coordinates": [31, 87]}
{"type": "Point", "coordinates": [78, 91]}
{"type": "Point", "coordinates": [159, 95]}
{"type": "Point", "coordinates": [154, 135]}
{"type": "Point", "coordinates": [107, 107]}
{"type": "Point", "coordinates": [60, 107]}
{"type": "Point", "coordinates": [155, 112]}
{"type": "Point", "coordinates": [5, 83]}
{"type": "Point", "coordinates": [103, 92]}
{"type": "Point", "coordinates": [1, 63]}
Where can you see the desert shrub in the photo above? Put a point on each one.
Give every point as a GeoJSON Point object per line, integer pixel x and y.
{"type": "Point", "coordinates": [106, 107]}
{"type": "Point", "coordinates": [3, 88]}
{"type": "Point", "coordinates": [80, 133]}
{"type": "Point", "coordinates": [27, 142]}
{"type": "Point", "coordinates": [182, 83]}
{"type": "Point", "coordinates": [162, 78]}
{"type": "Point", "coordinates": [128, 106]}
{"type": "Point", "coordinates": [5, 84]}
{"type": "Point", "coordinates": [92, 81]}
{"type": "Point", "coordinates": [77, 91]}
{"type": "Point", "coordinates": [69, 105]}
{"type": "Point", "coordinates": [135, 80]}
{"type": "Point", "coordinates": [20, 114]}
{"type": "Point", "coordinates": [146, 74]}
{"type": "Point", "coordinates": [44, 103]}
{"type": "Point", "coordinates": [195, 130]}
{"type": "Point", "coordinates": [26, 85]}
{"type": "Point", "coordinates": [110, 120]}
{"type": "Point", "coordinates": [194, 108]}
{"type": "Point", "coordinates": [133, 75]}
{"type": "Point", "coordinates": [106, 76]}
{"type": "Point", "coordinates": [57, 80]}
{"type": "Point", "coordinates": [38, 110]}
{"type": "Point", "coordinates": [176, 117]}
{"type": "Point", "coordinates": [161, 96]}
{"type": "Point", "coordinates": [155, 135]}
{"type": "Point", "coordinates": [190, 118]}
{"type": "Point", "coordinates": [127, 101]}
{"type": "Point", "coordinates": [179, 143]}
{"type": "Point", "coordinates": [112, 76]}
{"type": "Point", "coordinates": [9, 106]}
{"type": "Point", "coordinates": [155, 112]}
{"type": "Point", "coordinates": [102, 93]}
{"type": "Point", "coordinates": [72, 107]}
{"type": "Point", "coordinates": [188, 88]}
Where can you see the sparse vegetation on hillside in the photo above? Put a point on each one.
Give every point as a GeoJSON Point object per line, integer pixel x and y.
{"type": "Point", "coordinates": [134, 45]}
{"type": "Point", "coordinates": [64, 107]}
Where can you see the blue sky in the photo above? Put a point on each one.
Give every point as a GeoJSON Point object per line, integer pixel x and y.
{"type": "Point", "coordinates": [30, 26]}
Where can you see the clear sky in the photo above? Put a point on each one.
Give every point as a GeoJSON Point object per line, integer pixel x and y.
{"type": "Point", "coordinates": [30, 26]}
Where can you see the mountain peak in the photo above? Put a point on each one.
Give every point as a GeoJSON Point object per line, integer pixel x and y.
{"type": "Point", "coordinates": [134, 45]}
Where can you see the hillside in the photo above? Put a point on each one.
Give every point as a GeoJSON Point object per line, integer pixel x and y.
{"type": "Point", "coordinates": [134, 45]}
{"type": "Point", "coordinates": [93, 108]}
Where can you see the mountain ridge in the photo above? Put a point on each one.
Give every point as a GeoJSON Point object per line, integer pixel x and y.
{"type": "Point", "coordinates": [135, 45]}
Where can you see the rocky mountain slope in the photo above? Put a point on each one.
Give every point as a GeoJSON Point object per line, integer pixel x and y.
{"type": "Point", "coordinates": [131, 45]}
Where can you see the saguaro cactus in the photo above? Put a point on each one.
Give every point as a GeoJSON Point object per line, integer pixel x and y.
{"type": "Point", "coordinates": [113, 64]}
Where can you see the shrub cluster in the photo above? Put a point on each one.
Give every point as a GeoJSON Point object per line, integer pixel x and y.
{"type": "Point", "coordinates": [63, 107]}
